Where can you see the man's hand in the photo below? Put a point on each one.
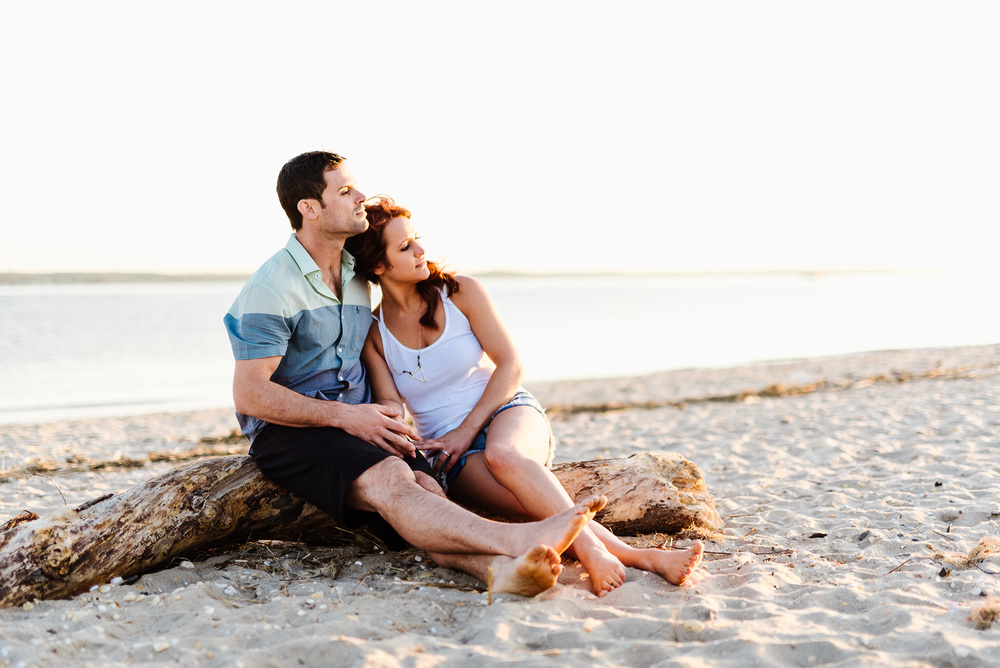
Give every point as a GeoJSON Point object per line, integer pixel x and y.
{"type": "Point", "coordinates": [381, 426]}
{"type": "Point", "coordinates": [452, 446]}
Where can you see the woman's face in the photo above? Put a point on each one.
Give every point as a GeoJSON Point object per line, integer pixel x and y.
{"type": "Point", "coordinates": [404, 255]}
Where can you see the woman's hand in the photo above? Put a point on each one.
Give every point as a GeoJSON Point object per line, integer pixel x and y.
{"type": "Point", "coordinates": [452, 446]}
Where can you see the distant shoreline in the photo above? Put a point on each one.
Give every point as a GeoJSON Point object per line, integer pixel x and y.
{"type": "Point", "coordinates": [71, 277]}
{"type": "Point", "coordinates": [126, 277]}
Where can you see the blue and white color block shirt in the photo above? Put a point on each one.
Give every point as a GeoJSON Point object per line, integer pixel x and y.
{"type": "Point", "coordinates": [286, 310]}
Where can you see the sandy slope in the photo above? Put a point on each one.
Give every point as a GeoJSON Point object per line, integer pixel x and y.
{"type": "Point", "coordinates": [847, 512]}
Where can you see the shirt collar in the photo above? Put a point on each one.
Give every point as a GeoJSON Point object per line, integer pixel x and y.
{"type": "Point", "coordinates": [310, 270]}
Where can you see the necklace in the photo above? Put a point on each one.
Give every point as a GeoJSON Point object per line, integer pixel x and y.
{"type": "Point", "coordinates": [420, 345]}
{"type": "Point", "coordinates": [420, 369]}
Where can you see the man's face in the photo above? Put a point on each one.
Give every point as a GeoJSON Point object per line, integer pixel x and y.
{"type": "Point", "coordinates": [343, 211]}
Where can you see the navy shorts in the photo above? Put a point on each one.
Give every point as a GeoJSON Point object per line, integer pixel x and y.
{"type": "Point", "coordinates": [318, 464]}
{"type": "Point", "coordinates": [520, 398]}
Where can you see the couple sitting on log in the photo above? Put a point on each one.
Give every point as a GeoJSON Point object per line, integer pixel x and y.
{"type": "Point", "coordinates": [320, 384]}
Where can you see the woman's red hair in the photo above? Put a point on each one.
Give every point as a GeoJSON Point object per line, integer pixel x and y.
{"type": "Point", "coordinates": [368, 249]}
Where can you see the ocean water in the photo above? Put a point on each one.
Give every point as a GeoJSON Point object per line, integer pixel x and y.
{"type": "Point", "coordinates": [94, 350]}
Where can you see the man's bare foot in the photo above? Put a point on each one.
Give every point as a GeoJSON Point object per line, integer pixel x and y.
{"type": "Point", "coordinates": [529, 574]}
{"type": "Point", "coordinates": [675, 566]}
{"type": "Point", "coordinates": [559, 531]}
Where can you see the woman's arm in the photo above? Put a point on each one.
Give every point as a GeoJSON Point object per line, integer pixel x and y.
{"type": "Point", "coordinates": [475, 302]}
{"type": "Point", "coordinates": [379, 377]}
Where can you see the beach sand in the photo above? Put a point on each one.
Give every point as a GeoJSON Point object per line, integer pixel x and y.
{"type": "Point", "coordinates": [853, 490]}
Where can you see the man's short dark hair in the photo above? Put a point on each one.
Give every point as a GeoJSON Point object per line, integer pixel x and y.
{"type": "Point", "coordinates": [304, 177]}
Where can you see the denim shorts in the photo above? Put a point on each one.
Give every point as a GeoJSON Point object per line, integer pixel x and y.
{"type": "Point", "coordinates": [521, 398]}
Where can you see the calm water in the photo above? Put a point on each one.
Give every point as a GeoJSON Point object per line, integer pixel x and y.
{"type": "Point", "coordinates": [87, 350]}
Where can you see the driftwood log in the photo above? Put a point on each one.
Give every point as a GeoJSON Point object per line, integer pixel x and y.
{"type": "Point", "coordinates": [226, 500]}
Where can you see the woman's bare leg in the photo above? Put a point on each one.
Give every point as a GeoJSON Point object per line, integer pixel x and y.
{"type": "Point", "coordinates": [517, 447]}
{"type": "Point", "coordinates": [477, 487]}
{"type": "Point", "coordinates": [674, 566]}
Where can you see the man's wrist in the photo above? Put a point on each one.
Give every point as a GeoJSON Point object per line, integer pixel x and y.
{"type": "Point", "coordinates": [336, 413]}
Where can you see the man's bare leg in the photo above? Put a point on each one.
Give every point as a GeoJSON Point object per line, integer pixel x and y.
{"type": "Point", "coordinates": [440, 526]}
{"type": "Point", "coordinates": [527, 575]}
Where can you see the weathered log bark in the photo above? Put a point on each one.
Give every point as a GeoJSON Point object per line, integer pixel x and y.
{"type": "Point", "coordinates": [648, 493]}
{"type": "Point", "coordinates": [226, 500]}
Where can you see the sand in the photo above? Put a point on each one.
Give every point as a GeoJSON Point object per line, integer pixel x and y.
{"type": "Point", "coordinates": [852, 497]}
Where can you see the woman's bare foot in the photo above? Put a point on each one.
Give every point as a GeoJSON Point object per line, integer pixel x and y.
{"type": "Point", "coordinates": [528, 575]}
{"type": "Point", "coordinates": [606, 571]}
{"type": "Point", "coordinates": [559, 531]}
{"type": "Point", "coordinates": [674, 566]}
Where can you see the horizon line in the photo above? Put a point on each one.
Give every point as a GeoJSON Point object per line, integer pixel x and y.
{"type": "Point", "coordinates": [63, 277]}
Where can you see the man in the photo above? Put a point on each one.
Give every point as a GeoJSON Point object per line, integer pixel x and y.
{"type": "Point", "coordinates": [302, 399]}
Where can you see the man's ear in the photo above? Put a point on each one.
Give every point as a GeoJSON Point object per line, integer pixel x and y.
{"type": "Point", "coordinates": [307, 207]}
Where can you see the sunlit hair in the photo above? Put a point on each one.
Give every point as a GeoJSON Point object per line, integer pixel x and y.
{"type": "Point", "coordinates": [368, 249]}
{"type": "Point", "coordinates": [304, 177]}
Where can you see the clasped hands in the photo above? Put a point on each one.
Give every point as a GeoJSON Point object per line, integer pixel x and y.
{"type": "Point", "coordinates": [384, 427]}
{"type": "Point", "coordinates": [450, 446]}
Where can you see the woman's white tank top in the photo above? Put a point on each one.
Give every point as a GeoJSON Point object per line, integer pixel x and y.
{"type": "Point", "coordinates": [455, 366]}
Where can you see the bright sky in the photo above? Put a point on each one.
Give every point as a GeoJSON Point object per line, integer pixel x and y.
{"type": "Point", "coordinates": [529, 135]}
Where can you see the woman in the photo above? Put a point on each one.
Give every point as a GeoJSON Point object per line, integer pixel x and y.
{"type": "Point", "coordinates": [439, 344]}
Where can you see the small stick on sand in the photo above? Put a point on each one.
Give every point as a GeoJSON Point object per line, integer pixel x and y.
{"type": "Point", "coordinates": [489, 587]}
{"type": "Point", "coordinates": [677, 617]}
{"type": "Point", "coordinates": [900, 566]}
